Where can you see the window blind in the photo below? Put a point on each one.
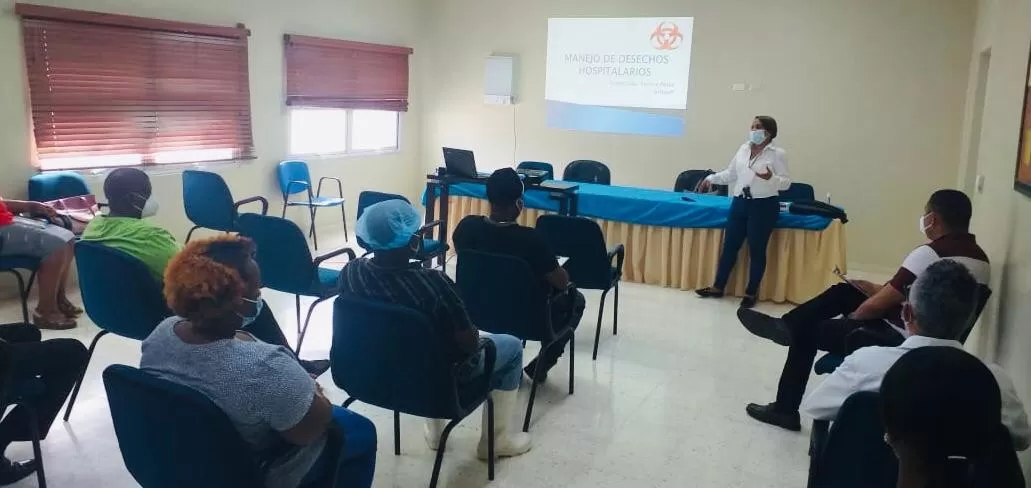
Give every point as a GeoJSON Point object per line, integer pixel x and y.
{"type": "Point", "coordinates": [110, 90]}
{"type": "Point", "coordinates": [331, 73]}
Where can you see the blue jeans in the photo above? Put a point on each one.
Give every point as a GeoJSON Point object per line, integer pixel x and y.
{"type": "Point", "coordinates": [357, 462]}
{"type": "Point", "coordinates": [508, 363]}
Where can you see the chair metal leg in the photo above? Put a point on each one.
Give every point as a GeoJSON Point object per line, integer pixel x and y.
{"type": "Point", "coordinates": [597, 331]}
{"type": "Point", "coordinates": [348, 402]}
{"type": "Point", "coordinates": [190, 233]}
{"type": "Point", "coordinates": [615, 310]}
{"type": "Point", "coordinates": [284, 207]}
{"type": "Point", "coordinates": [304, 330]}
{"type": "Point", "coordinates": [37, 452]}
{"type": "Point", "coordinates": [297, 305]}
{"type": "Point", "coordinates": [23, 294]}
{"type": "Point", "coordinates": [343, 215]}
{"type": "Point", "coordinates": [490, 438]}
{"type": "Point", "coordinates": [397, 433]}
{"type": "Point", "coordinates": [78, 384]}
{"type": "Point", "coordinates": [572, 360]}
{"type": "Point", "coordinates": [311, 232]}
{"type": "Point", "coordinates": [440, 452]}
{"type": "Point", "coordinates": [533, 393]}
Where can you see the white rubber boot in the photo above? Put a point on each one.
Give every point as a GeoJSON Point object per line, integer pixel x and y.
{"type": "Point", "coordinates": [508, 441]}
{"type": "Point", "coordinates": [432, 432]}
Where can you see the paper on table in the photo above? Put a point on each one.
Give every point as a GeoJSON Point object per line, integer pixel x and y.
{"type": "Point", "coordinates": [562, 260]}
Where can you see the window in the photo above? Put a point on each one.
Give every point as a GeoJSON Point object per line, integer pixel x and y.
{"type": "Point", "coordinates": [109, 90]}
{"type": "Point", "coordinates": [340, 131]}
{"type": "Point", "coordinates": [345, 96]}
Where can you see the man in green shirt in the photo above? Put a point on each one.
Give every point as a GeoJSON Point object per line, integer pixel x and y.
{"type": "Point", "coordinates": [128, 193]}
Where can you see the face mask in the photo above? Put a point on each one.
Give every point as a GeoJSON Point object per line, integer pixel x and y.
{"type": "Point", "coordinates": [150, 207]}
{"type": "Point", "coordinates": [757, 136]}
{"type": "Point", "coordinates": [923, 225]}
{"type": "Point", "coordinates": [259, 305]}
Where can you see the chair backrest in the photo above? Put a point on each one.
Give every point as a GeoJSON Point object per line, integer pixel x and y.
{"type": "Point", "coordinates": [983, 294]}
{"type": "Point", "coordinates": [172, 436]}
{"type": "Point", "coordinates": [580, 239]}
{"type": "Point", "coordinates": [290, 172]}
{"type": "Point", "coordinates": [587, 171]}
{"type": "Point", "coordinates": [539, 166]}
{"type": "Point", "coordinates": [283, 255]}
{"type": "Point", "coordinates": [688, 180]}
{"type": "Point", "coordinates": [502, 295]}
{"type": "Point", "coordinates": [52, 185]}
{"type": "Point", "coordinates": [119, 293]}
{"type": "Point", "coordinates": [392, 357]}
{"type": "Point", "coordinates": [208, 201]}
{"type": "Point", "coordinates": [798, 192]}
{"type": "Point", "coordinates": [855, 454]}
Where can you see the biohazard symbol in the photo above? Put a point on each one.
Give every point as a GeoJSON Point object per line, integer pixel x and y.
{"type": "Point", "coordinates": [667, 37]}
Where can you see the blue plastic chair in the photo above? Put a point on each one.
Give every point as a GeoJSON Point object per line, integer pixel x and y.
{"type": "Point", "coordinates": [294, 178]}
{"type": "Point", "coordinates": [15, 393]}
{"type": "Point", "coordinates": [392, 357]}
{"type": "Point", "coordinates": [798, 192]}
{"type": "Point", "coordinates": [590, 264]}
{"type": "Point", "coordinates": [539, 166]}
{"type": "Point", "coordinates": [851, 452]}
{"type": "Point", "coordinates": [120, 296]}
{"type": "Point", "coordinates": [587, 171]}
{"type": "Point", "coordinates": [210, 205]}
{"type": "Point", "coordinates": [503, 296]}
{"type": "Point", "coordinates": [431, 248]}
{"type": "Point", "coordinates": [54, 185]}
{"type": "Point", "coordinates": [287, 265]}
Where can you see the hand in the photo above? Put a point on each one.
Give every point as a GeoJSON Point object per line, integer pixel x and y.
{"type": "Point", "coordinates": [766, 175]}
{"type": "Point", "coordinates": [867, 287]}
{"type": "Point", "coordinates": [704, 186]}
{"type": "Point", "coordinates": [38, 209]}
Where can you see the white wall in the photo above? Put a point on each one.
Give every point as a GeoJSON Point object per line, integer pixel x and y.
{"type": "Point", "coordinates": [869, 95]}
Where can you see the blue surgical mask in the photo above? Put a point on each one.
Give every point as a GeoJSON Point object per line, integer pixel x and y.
{"type": "Point", "coordinates": [757, 136]}
{"type": "Point", "coordinates": [259, 305]}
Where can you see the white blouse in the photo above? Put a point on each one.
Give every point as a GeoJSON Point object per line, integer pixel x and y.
{"type": "Point", "coordinates": [742, 172]}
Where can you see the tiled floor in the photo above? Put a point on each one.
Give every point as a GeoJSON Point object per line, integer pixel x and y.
{"type": "Point", "coordinates": [663, 406]}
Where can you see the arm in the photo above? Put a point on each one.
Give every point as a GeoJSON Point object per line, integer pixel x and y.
{"type": "Point", "coordinates": [467, 337]}
{"type": "Point", "coordinates": [780, 176]}
{"type": "Point", "coordinates": [35, 209]}
{"type": "Point", "coordinates": [290, 400]}
{"type": "Point", "coordinates": [1013, 415]}
{"type": "Point", "coordinates": [723, 177]}
{"type": "Point", "coordinates": [558, 278]}
{"type": "Point", "coordinates": [892, 294]}
{"type": "Point", "coordinates": [879, 304]}
{"type": "Point", "coordinates": [313, 425]}
{"type": "Point", "coordinates": [825, 401]}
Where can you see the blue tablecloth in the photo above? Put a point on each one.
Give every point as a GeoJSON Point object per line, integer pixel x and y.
{"type": "Point", "coordinates": [646, 206]}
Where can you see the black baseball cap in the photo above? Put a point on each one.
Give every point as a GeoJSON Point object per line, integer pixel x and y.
{"type": "Point", "coordinates": [504, 187]}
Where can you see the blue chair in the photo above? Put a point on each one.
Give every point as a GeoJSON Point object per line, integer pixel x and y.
{"type": "Point", "coordinates": [54, 185]}
{"type": "Point", "coordinates": [119, 294]}
{"type": "Point", "coordinates": [539, 166]}
{"type": "Point", "coordinates": [161, 425]}
{"type": "Point", "coordinates": [798, 192]}
{"type": "Point", "coordinates": [210, 205]}
{"type": "Point", "coordinates": [294, 178]}
{"type": "Point", "coordinates": [587, 171]}
{"type": "Point", "coordinates": [392, 357]}
{"type": "Point", "coordinates": [851, 452]}
{"type": "Point", "coordinates": [287, 265]}
{"type": "Point", "coordinates": [431, 248]}
{"type": "Point", "coordinates": [503, 296]}
{"type": "Point", "coordinates": [15, 393]}
{"type": "Point", "coordinates": [590, 264]}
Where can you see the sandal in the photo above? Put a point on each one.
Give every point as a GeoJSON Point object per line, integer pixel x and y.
{"type": "Point", "coordinates": [51, 322]}
{"type": "Point", "coordinates": [69, 309]}
{"type": "Point", "coordinates": [709, 292]}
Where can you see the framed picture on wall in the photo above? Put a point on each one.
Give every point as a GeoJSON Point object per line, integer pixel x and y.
{"type": "Point", "coordinates": [1022, 182]}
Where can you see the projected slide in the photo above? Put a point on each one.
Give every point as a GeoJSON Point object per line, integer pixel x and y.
{"type": "Point", "coordinates": [626, 75]}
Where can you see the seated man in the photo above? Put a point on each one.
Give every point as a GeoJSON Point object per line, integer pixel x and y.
{"type": "Point", "coordinates": [389, 228]}
{"type": "Point", "coordinates": [57, 363]}
{"type": "Point", "coordinates": [824, 322]}
{"type": "Point", "coordinates": [501, 234]}
{"type": "Point", "coordinates": [941, 301]}
{"type": "Point", "coordinates": [131, 201]}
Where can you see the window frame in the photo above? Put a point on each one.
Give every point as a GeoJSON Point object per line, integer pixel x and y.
{"type": "Point", "coordinates": [348, 135]}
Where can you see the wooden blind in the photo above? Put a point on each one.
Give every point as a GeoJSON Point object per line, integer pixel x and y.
{"type": "Point", "coordinates": [333, 73]}
{"type": "Point", "coordinates": [110, 90]}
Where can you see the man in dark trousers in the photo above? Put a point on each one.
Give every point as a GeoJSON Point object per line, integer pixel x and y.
{"type": "Point", "coordinates": [824, 322]}
{"type": "Point", "coordinates": [501, 234]}
{"type": "Point", "coordinates": [56, 364]}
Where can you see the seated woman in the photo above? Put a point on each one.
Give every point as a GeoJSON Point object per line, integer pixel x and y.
{"type": "Point", "coordinates": [53, 246]}
{"type": "Point", "coordinates": [942, 417]}
{"type": "Point", "coordinates": [213, 286]}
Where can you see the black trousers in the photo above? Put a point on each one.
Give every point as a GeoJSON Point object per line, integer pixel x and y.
{"type": "Point", "coordinates": [565, 312]}
{"type": "Point", "coordinates": [815, 325]}
{"type": "Point", "coordinates": [56, 362]}
{"type": "Point", "coordinates": [752, 220]}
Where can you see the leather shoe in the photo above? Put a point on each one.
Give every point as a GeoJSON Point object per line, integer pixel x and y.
{"type": "Point", "coordinates": [14, 471]}
{"type": "Point", "coordinates": [768, 414]}
{"type": "Point", "coordinates": [747, 302]}
{"type": "Point", "coordinates": [765, 326]}
{"type": "Point", "coordinates": [708, 292]}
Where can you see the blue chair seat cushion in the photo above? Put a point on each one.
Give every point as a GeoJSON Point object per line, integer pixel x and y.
{"type": "Point", "coordinates": [318, 202]}
{"type": "Point", "coordinates": [19, 262]}
{"type": "Point", "coordinates": [432, 247]}
{"type": "Point", "coordinates": [828, 363]}
{"type": "Point", "coordinates": [328, 281]}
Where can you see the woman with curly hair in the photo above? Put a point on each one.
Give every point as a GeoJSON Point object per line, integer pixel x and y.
{"type": "Point", "coordinates": [213, 286]}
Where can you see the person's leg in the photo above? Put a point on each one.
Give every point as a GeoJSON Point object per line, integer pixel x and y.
{"type": "Point", "coordinates": [564, 313]}
{"type": "Point", "coordinates": [63, 303]}
{"type": "Point", "coordinates": [357, 463]}
{"type": "Point", "coordinates": [508, 441]}
{"type": "Point", "coordinates": [18, 332]}
{"type": "Point", "coordinates": [840, 299]}
{"type": "Point", "coordinates": [49, 277]}
{"type": "Point", "coordinates": [733, 238]}
{"type": "Point", "coordinates": [761, 222]}
{"type": "Point", "coordinates": [58, 364]}
{"type": "Point", "coordinates": [828, 335]}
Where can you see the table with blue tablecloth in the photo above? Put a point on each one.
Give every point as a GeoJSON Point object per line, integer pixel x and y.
{"type": "Point", "coordinates": [676, 243]}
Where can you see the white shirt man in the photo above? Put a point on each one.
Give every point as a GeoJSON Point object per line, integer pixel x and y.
{"type": "Point", "coordinates": [743, 170]}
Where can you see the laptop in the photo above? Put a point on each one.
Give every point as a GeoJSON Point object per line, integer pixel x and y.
{"type": "Point", "coordinates": [461, 163]}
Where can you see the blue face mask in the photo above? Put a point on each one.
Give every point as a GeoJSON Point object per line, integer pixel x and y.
{"type": "Point", "coordinates": [259, 305]}
{"type": "Point", "coordinates": [757, 136]}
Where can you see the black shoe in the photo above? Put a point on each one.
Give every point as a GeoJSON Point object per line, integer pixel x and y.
{"type": "Point", "coordinates": [747, 302]}
{"type": "Point", "coordinates": [14, 471]}
{"type": "Point", "coordinates": [708, 292]}
{"type": "Point", "coordinates": [315, 367]}
{"type": "Point", "coordinates": [765, 326]}
{"type": "Point", "coordinates": [768, 414]}
{"type": "Point", "coordinates": [531, 368]}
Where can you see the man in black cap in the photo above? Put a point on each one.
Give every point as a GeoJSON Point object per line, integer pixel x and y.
{"type": "Point", "coordinates": [501, 234]}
